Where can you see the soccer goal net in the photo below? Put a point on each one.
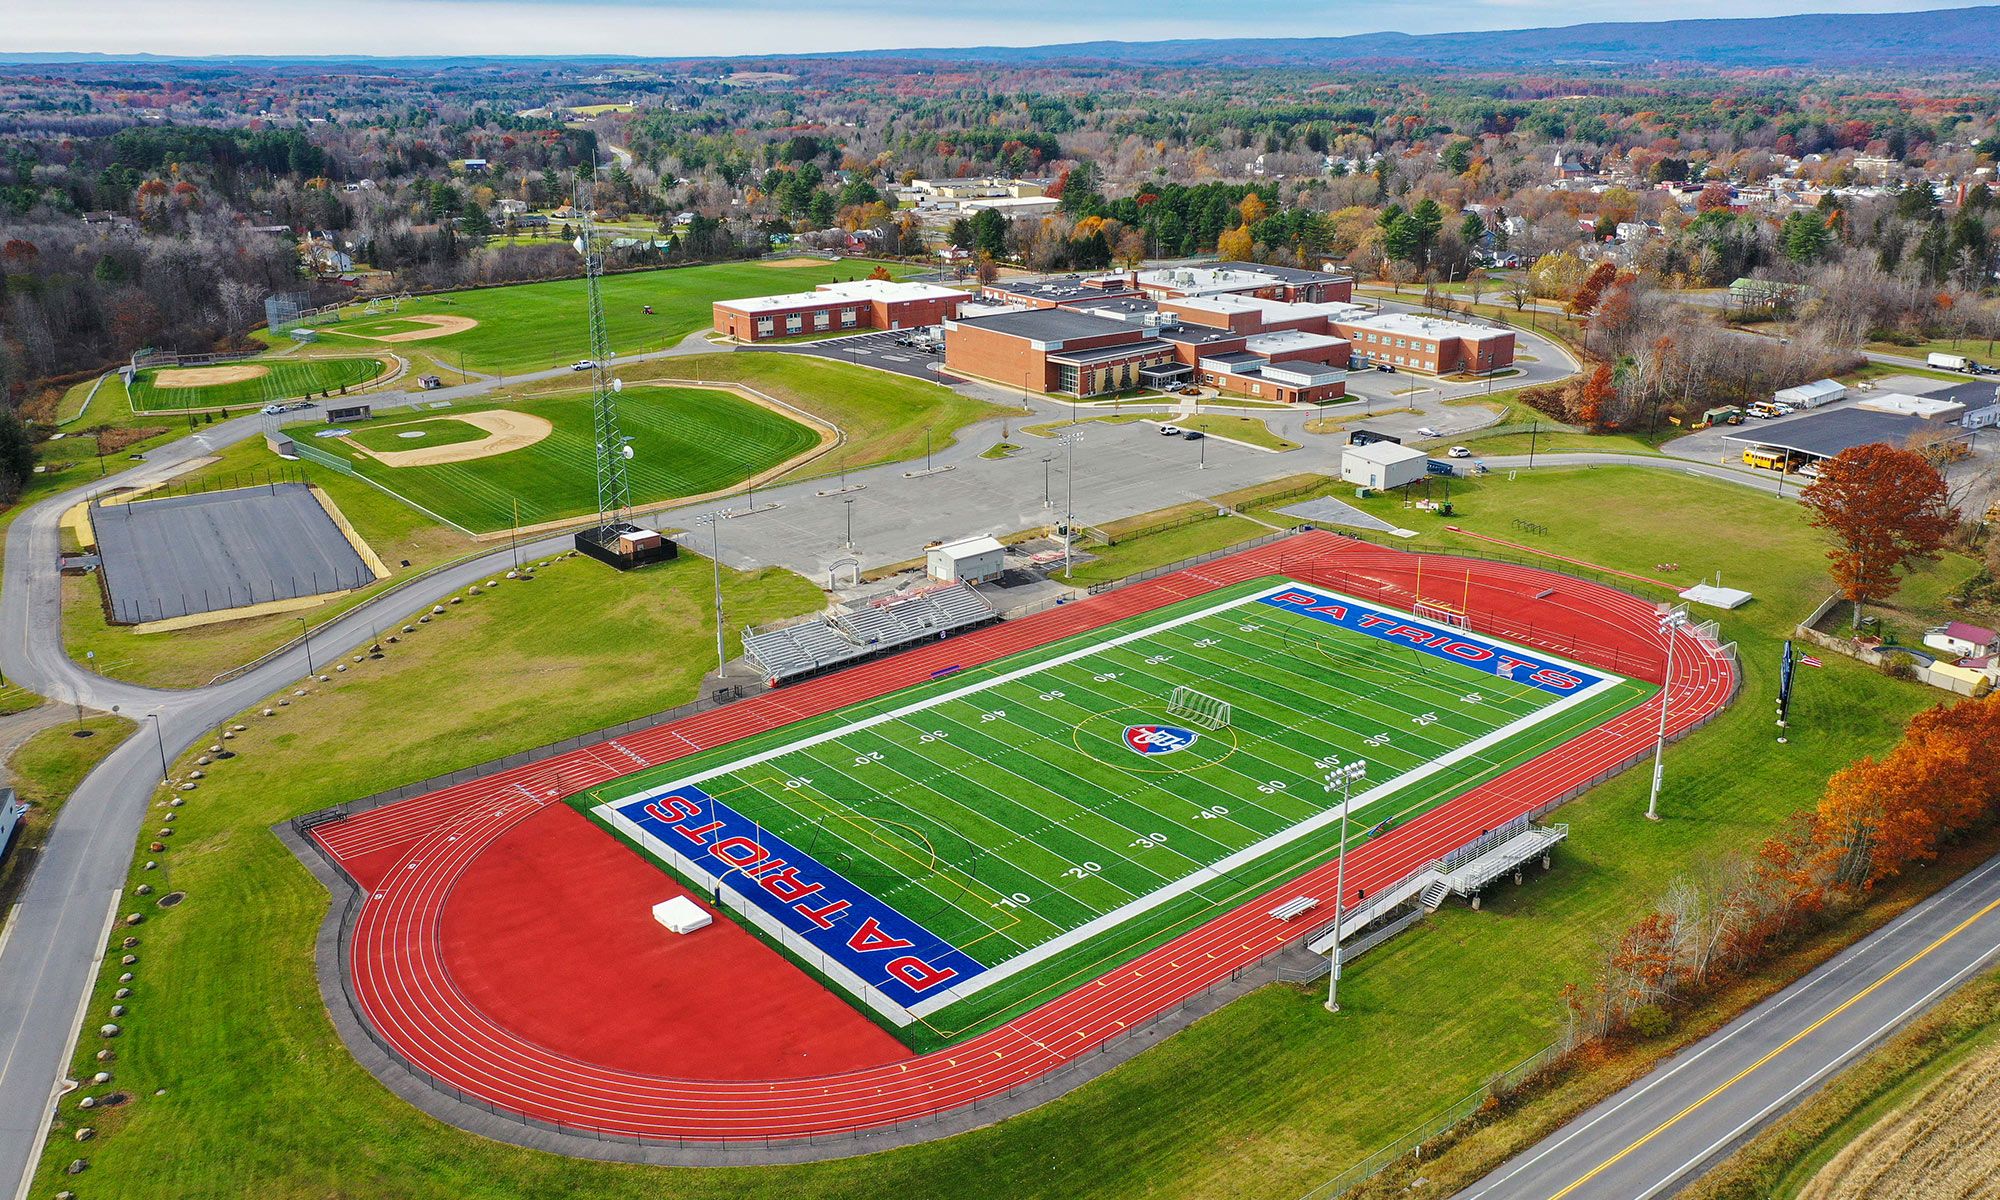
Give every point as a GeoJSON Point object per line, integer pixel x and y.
{"type": "Point", "coordinates": [1443, 614]}
{"type": "Point", "coordinates": [1197, 708]}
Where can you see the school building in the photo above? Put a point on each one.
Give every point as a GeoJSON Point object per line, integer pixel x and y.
{"type": "Point", "coordinates": [837, 307]}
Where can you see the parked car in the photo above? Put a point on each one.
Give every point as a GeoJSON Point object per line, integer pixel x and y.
{"type": "Point", "coordinates": [1426, 431]}
{"type": "Point", "coordinates": [430, 383]}
{"type": "Point", "coordinates": [1193, 435]}
{"type": "Point", "coordinates": [1171, 431]}
{"type": "Point", "coordinates": [583, 364]}
{"type": "Point", "coordinates": [1389, 367]}
{"type": "Point", "coordinates": [1460, 452]}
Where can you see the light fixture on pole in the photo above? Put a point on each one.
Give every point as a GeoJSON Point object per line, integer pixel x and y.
{"type": "Point", "coordinates": [1342, 778]}
{"type": "Point", "coordinates": [160, 740]}
{"type": "Point", "coordinates": [1069, 441]}
{"type": "Point", "coordinates": [1671, 622]}
{"type": "Point", "coordinates": [306, 633]}
{"type": "Point", "coordinates": [714, 522]}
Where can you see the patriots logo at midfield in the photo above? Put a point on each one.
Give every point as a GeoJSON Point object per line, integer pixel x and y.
{"type": "Point", "coordinates": [1158, 739]}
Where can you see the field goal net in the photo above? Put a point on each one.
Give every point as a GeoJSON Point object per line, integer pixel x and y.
{"type": "Point", "coordinates": [1443, 614]}
{"type": "Point", "coordinates": [1198, 709]}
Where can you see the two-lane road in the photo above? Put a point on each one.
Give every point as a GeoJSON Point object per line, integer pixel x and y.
{"type": "Point", "coordinates": [1657, 1135]}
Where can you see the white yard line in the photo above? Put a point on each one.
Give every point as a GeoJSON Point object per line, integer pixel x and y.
{"type": "Point", "coordinates": [1143, 903]}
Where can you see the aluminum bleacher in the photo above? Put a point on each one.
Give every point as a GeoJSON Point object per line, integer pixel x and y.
{"type": "Point", "coordinates": [850, 632]}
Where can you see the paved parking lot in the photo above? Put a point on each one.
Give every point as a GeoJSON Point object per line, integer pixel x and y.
{"type": "Point", "coordinates": [875, 349]}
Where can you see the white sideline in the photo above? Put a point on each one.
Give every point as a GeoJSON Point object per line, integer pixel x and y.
{"type": "Point", "coordinates": [1139, 904]}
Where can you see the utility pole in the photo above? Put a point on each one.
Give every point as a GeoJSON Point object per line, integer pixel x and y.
{"type": "Point", "coordinates": [1671, 623]}
{"type": "Point", "coordinates": [1344, 778]}
{"type": "Point", "coordinates": [714, 522]}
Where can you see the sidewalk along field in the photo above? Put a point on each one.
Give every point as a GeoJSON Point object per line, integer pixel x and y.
{"type": "Point", "coordinates": [1010, 832]}
{"type": "Point", "coordinates": [536, 326]}
{"type": "Point", "coordinates": [262, 1094]}
{"type": "Point", "coordinates": [685, 442]}
{"type": "Point", "coordinates": [249, 381]}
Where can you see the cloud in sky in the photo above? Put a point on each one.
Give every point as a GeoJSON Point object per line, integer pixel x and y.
{"type": "Point", "coordinates": [675, 28]}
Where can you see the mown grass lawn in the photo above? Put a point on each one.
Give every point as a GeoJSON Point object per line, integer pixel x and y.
{"type": "Point", "coordinates": [1268, 1097]}
{"type": "Point", "coordinates": [406, 541]}
{"type": "Point", "coordinates": [418, 434]}
{"type": "Point", "coordinates": [883, 417]}
{"type": "Point", "coordinates": [280, 379]}
{"type": "Point", "coordinates": [46, 769]}
{"type": "Point", "coordinates": [1242, 429]}
{"type": "Point", "coordinates": [684, 442]}
{"type": "Point", "coordinates": [534, 326]}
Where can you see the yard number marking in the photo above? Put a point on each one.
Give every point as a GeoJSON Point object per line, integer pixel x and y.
{"type": "Point", "coordinates": [1083, 870]}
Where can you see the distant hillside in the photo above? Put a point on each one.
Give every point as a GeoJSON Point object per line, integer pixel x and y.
{"type": "Point", "coordinates": [1941, 37]}
{"type": "Point", "coordinates": [1946, 38]}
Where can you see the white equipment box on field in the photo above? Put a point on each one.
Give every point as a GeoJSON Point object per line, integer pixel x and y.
{"type": "Point", "coordinates": [681, 915]}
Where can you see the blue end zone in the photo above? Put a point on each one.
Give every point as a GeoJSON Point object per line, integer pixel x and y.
{"type": "Point", "coordinates": [724, 849]}
{"type": "Point", "coordinates": [1439, 642]}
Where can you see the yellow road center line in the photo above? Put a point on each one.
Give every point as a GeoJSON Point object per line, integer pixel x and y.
{"type": "Point", "coordinates": [1726, 1084]}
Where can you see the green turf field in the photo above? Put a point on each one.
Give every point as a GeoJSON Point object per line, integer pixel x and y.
{"type": "Point", "coordinates": [685, 442]}
{"type": "Point", "coordinates": [1017, 836]}
{"type": "Point", "coordinates": [535, 326]}
{"type": "Point", "coordinates": [412, 435]}
{"type": "Point", "coordinates": [283, 379]}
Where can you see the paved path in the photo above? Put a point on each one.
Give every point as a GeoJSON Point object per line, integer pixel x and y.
{"type": "Point", "coordinates": [1657, 1135]}
{"type": "Point", "coordinates": [48, 960]}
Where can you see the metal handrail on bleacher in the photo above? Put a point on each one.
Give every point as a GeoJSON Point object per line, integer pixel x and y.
{"type": "Point", "coordinates": [845, 634]}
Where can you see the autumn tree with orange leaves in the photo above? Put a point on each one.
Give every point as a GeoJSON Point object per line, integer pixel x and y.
{"type": "Point", "coordinates": [1886, 509]}
{"type": "Point", "coordinates": [1876, 819]}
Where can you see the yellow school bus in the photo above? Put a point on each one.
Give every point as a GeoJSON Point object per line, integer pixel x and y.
{"type": "Point", "coordinates": [1767, 460]}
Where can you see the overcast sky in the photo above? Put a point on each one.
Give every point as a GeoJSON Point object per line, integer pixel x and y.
{"type": "Point", "coordinates": [670, 28]}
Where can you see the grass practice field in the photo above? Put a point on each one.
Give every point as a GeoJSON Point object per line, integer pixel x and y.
{"type": "Point", "coordinates": [431, 431]}
{"type": "Point", "coordinates": [534, 326]}
{"type": "Point", "coordinates": [269, 381]}
{"type": "Point", "coordinates": [956, 852]}
{"type": "Point", "coordinates": [685, 442]}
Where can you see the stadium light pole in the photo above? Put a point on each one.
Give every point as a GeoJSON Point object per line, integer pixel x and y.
{"type": "Point", "coordinates": [714, 522]}
{"type": "Point", "coordinates": [1671, 622]}
{"type": "Point", "coordinates": [1344, 778]}
{"type": "Point", "coordinates": [1069, 441]}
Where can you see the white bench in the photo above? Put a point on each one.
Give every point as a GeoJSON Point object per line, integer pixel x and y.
{"type": "Point", "coordinates": [1296, 907]}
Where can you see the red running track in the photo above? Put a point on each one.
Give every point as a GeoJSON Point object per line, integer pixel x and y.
{"type": "Point", "coordinates": [410, 858]}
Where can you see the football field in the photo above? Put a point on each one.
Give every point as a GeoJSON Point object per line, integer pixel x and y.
{"type": "Point", "coordinates": [952, 853]}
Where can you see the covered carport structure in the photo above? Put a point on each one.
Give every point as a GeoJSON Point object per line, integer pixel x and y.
{"type": "Point", "coordinates": [1822, 435]}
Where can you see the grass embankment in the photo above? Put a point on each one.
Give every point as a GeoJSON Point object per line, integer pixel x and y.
{"type": "Point", "coordinates": [44, 770]}
{"type": "Point", "coordinates": [535, 326]}
{"type": "Point", "coordinates": [262, 1098]}
{"type": "Point", "coordinates": [192, 657]}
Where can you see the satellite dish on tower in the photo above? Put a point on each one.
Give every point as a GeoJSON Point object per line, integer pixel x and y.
{"type": "Point", "coordinates": [626, 450]}
{"type": "Point", "coordinates": [617, 385]}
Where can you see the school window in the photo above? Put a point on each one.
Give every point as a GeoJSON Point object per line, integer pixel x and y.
{"type": "Point", "coordinates": [821, 320]}
{"type": "Point", "coordinates": [794, 324]}
{"type": "Point", "coordinates": [764, 326]}
{"type": "Point", "coordinates": [847, 318]}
